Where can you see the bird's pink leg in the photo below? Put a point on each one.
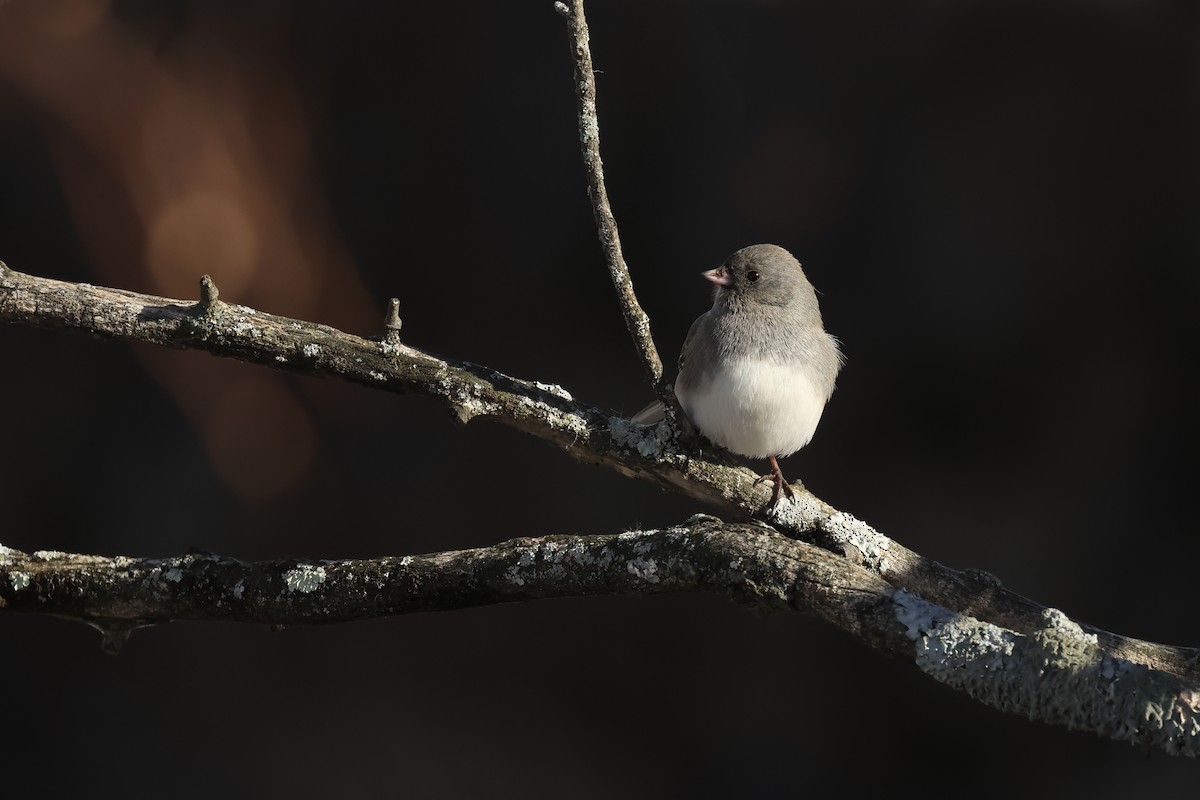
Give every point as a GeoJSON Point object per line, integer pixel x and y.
{"type": "Point", "coordinates": [780, 484]}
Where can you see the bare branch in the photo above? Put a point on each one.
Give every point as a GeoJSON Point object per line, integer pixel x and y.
{"type": "Point", "coordinates": [547, 411]}
{"type": "Point", "coordinates": [636, 319]}
{"type": "Point", "coordinates": [468, 390]}
{"type": "Point", "coordinates": [962, 628]}
{"type": "Point", "coordinates": [754, 564]}
{"type": "Point", "coordinates": [1056, 675]}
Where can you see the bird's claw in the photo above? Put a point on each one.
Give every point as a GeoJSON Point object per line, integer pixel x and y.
{"type": "Point", "coordinates": [780, 486]}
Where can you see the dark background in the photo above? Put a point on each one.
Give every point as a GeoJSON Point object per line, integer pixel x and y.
{"type": "Point", "coordinates": [996, 200]}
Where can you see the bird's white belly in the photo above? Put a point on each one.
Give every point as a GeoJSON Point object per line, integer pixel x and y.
{"type": "Point", "coordinates": [755, 408]}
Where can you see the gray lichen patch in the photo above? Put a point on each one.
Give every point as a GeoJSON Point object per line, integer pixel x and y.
{"type": "Point", "coordinates": [917, 615]}
{"type": "Point", "coordinates": [550, 562]}
{"type": "Point", "coordinates": [555, 389]}
{"type": "Point", "coordinates": [1062, 640]}
{"type": "Point", "coordinates": [305, 578]}
{"type": "Point", "coordinates": [1057, 675]}
{"type": "Point", "coordinates": [635, 535]}
{"type": "Point", "coordinates": [525, 561]}
{"type": "Point", "coordinates": [949, 644]}
{"type": "Point", "coordinates": [467, 406]}
{"type": "Point", "coordinates": [803, 513]}
{"type": "Point", "coordinates": [465, 398]}
{"type": "Point", "coordinates": [556, 418]}
{"type": "Point", "coordinates": [19, 580]}
{"type": "Point", "coordinates": [846, 529]}
{"type": "Point", "coordinates": [649, 442]}
{"type": "Point", "coordinates": [644, 568]}
{"type": "Point", "coordinates": [244, 327]}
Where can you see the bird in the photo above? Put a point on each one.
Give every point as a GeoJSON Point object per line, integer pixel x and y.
{"type": "Point", "coordinates": [757, 369]}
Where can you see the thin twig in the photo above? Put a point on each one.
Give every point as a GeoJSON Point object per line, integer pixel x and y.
{"type": "Point", "coordinates": [636, 319]}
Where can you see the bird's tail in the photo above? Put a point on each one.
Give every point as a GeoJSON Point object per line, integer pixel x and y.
{"type": "Point", "coordinates": [651, 414]}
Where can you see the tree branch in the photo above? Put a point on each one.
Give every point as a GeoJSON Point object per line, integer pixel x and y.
{"type": "Point", "coordinates": [636, 319]}
{"type": "Point", "coordinates": [543, 410]}
{"type": "Point", "coordinates": [1057, 675]}
{"type": "Point", "coordinates": [467, 390]}
{"type": "Point", "coordinates": [963, 628]}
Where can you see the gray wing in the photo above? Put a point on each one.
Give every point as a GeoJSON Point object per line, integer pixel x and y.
{"type": "Point", "coordinates": [696, 356]}
{"type": "Point", "coordinates": [693, 361]}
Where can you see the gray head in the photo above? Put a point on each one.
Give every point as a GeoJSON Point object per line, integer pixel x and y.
{"type": "Point", "coordinates": [762, 274]}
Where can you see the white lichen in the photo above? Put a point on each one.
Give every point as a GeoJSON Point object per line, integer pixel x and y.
{"type": "Point", "coordinates": [404, 562]}
{"type": "Point", "coordinates": [1053, 619]}
{"type": "Point", "coordinates": [845, 528]}
{"type": "Point", "coordinates": [555, 390]}
{"type": "Point", "coordinates": [1063, 642]}
{"type": "Point", "coordinates": [644, 568]}
{"type": "Point", "coordinates": [304, 579]}
{"type": "Point", "coordinates": [565, 421]}
{"type": "Point", "coordinates": [524, 561]}
{"type": "Point", "coordinates": [647, 441]}
{"type": "Point", "coordinates": [242, 327]}
{"type": "Point", "coordinates": [1057, 674]}
{"type": "Point", "coordinates": [19, 580]}
{"type": "Point", "coordinates": [311, 350]}
{"type": "Point", "coordinates": [950, 645]}
{"type": "Point", "coordinates": [239, 589]}
{"type": "Point", "coordinates": [467, 406]}
{"type": "Point", "coordinates": [379, 376]}
{"type": "Point", "coordinates": [556, 418]}
{"type": "Point", "coordinates": [917, 614]}
{"type": "Point", "coordinates": [174, 575]}
{"type": "Point", "coordinates": [803, 513]}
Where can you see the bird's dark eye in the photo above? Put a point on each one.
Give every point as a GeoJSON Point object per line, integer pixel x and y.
{"type": "Point", "coordinates": [751, 275]}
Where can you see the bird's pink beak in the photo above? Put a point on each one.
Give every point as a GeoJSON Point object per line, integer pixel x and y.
{"type": "Point", "coordinates": [720, 276]}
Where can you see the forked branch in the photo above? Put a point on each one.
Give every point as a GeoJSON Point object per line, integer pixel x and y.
{"type": "Point", "coordinates": [962, 628]}
{"type": "Point", "coordinates": [636, 319]}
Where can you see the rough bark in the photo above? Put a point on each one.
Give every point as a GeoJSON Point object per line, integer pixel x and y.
{"type": "Point", "coordinates": [1058, 675]}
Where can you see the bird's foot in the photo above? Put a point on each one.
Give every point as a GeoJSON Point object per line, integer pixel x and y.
{"type": "Point", "coordinates": [780, 486]}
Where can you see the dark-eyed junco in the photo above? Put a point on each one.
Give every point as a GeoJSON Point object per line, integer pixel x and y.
{"type": "Point", "coordinates": [757, 369]}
